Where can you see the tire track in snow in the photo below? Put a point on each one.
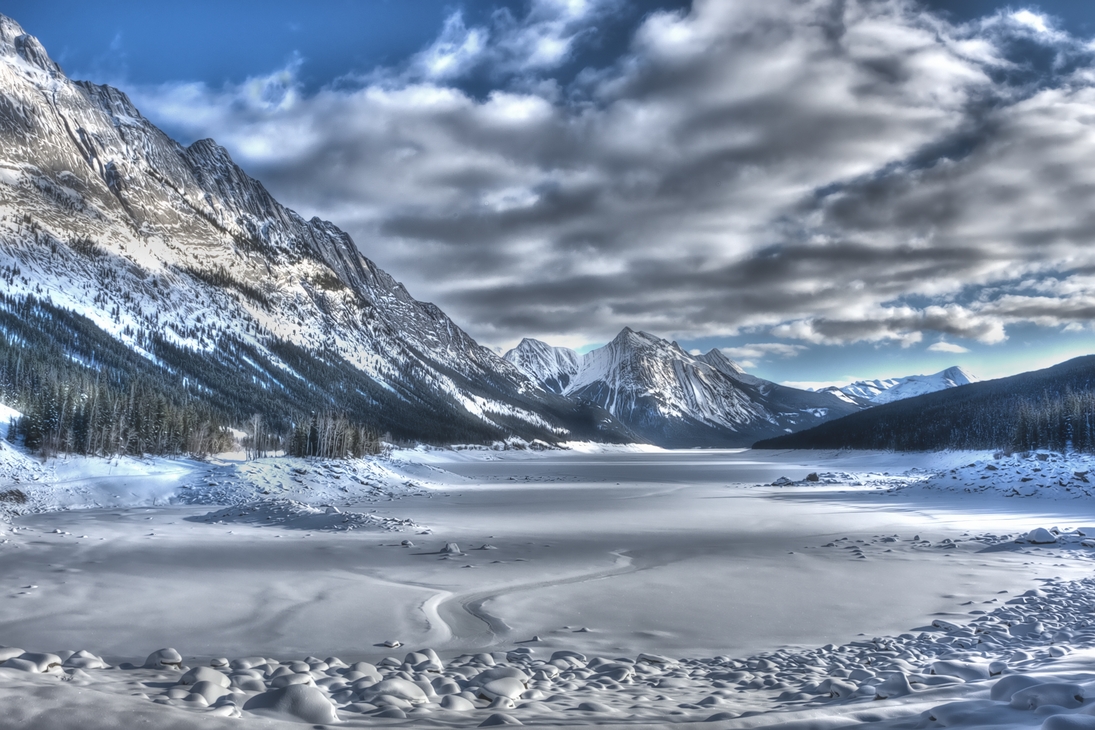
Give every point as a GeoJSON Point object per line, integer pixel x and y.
{"type": "Point", "coordinates": [456, 610]}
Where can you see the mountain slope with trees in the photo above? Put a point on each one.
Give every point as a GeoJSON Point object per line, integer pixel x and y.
{"type": "Point", "coordinates": [193, 282]}
{"type": "Point", "coordinates": [1052, 408]}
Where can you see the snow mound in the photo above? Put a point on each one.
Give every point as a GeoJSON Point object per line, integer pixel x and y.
{"type": "Point", "coordinates": [1038, 474]}
{"type": "Point", "coordinates": [293, 515]}
{"type": "Point", "coordinates": [312, 481]}
{"type": "Point", "coordinates": [1041, 536]}
{"type": "Point", "coordinates": [28, 485]}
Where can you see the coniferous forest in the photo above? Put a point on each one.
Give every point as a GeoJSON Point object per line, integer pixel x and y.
{"type": "Point", "coordinates": [81, 391]}
{"type": "Point", "coordinates": [1046, 409]}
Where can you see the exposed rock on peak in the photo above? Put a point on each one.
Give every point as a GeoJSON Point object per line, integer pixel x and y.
{"type": "Point", "coordinates": [14, 40]}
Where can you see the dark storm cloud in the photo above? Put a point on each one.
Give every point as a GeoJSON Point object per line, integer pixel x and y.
{"type": "Point", "coordinates": [835, 171]}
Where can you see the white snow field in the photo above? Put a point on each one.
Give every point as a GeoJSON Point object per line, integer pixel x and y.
{"type": "Point", "coordinates": [596, 586]}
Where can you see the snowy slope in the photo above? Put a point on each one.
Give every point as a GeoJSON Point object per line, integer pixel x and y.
{"type": "Point", "coordinates": [101, 213]}
{"type": "Point", "coordinates": [877, 392]}
{"type": "Point", "coordinates": [671, 397]}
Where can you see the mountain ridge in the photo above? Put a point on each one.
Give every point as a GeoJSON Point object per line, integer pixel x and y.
{"type": "Point", "coordinates": [103, 214]}
{"type": "Point", "coordinates": [877, 392]}
{"type": "Point", "coordinates": [655, 387]}
{"type": "Point", "coordinates": [1048, 408]}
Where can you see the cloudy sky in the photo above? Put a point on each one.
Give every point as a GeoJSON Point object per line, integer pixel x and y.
{"type": "Point", "coordinates": [828, 189]}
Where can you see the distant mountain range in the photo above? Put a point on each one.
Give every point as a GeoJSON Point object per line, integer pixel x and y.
{"type": "Point", "coordinates": [655, 388]}
{"type": "Point", "coordinates": [876, 392]}
{"type": "Point", "coordinates": [1052, 408]}
{"type": "Point", "coordinates": [144, 278]}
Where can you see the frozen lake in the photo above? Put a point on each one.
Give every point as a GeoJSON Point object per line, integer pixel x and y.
{"type": "Point", "coordinates": [679, 553]}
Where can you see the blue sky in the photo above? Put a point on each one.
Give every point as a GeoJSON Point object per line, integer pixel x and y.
{"type": "Point", "coordinates": [217, 41]}
{"type": "Point", "coordinates": [829, 190]}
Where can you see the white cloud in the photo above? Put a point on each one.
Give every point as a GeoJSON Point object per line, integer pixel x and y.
{"type": "Point", "coordinates": [827, 171]}
{"type": "Point", "coordinates": [1032, 20]}
{"type": "Point", "coordinates": [542, 40]}
{"type": "Point", "coordinates": [943, 346]}
{"type": "Point", "coordinates": [455, 51]}
{"type": "Point", "coordinates": [761, 351]}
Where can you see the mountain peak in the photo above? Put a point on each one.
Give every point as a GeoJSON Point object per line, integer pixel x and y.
{"type": "Point", "coordinates": [957, 375]}
{"type": "Point", "coordinates": [531, 343]}
{"type": "Point", "coordinates": [657, 388]}
{"type": "Point", "coordinates": [718, 359]}
{"type": "Point", "coordinates": [630, 338]}
{"type": "Point", "coordinates": [552, 367]}
{"type": "Point", "coordinates": [877, 392]}
{"type": "Point", "coordinates": [16, 41]}
{"type": "Point", "coordinates": [625, 334]}
{"type": "Point", "coordinates": [209, 149]}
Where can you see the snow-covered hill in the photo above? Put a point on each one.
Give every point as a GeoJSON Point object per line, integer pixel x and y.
{"type": "Point", "coordinates": [877, 392]}
{"type": "Point", "coordinates": [674, 398]}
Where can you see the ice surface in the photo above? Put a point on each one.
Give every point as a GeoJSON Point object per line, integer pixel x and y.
{"type": "Point", "coordinates": [624, 587]}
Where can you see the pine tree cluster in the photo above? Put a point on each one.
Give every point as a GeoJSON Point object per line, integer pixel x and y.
{"type": "Point", "coordinates": [80, 391]}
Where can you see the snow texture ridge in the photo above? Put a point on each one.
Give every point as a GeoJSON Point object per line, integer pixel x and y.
{"type": "Point", "coordinates": [1013, 666]}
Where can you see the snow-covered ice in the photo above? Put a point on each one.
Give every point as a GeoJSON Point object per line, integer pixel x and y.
{"type": "Point", "coordinates": [587, 586]}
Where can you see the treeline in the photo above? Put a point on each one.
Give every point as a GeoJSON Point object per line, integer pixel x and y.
{"type": "Point", "coordinates": [326, 435]}
{"type": "Point", "coordinates": [68, 414]}
{"type": "Point", "coordinates": [1056, 422]}
{"type": "Point", "coordinates": [1045, 409]}
{"type": "Point", "coordinates": [332, 435]}
{"type": "Point", "coordinates": [81, 391]}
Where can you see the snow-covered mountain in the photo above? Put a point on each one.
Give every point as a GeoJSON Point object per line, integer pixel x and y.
{"type": "Point", "coordinates": [144, 260]}
{"type": "Point", "coordinates": [176, 253]}
{"type": "Point", "coordinates": [717, 359]}
{"type": "Point", "coordinates": [672, 397]}
{"type": "Point", "coordinates": [877, 392]}
{"type": "Point", "coordinates": [552, 367]}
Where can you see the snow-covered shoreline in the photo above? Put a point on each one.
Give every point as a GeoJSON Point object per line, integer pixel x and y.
{"type": "Point", "coordinates": [1034, 658]}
